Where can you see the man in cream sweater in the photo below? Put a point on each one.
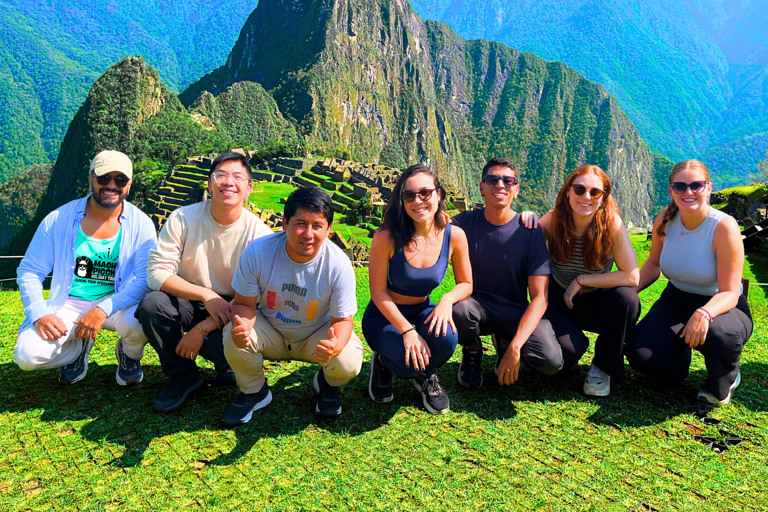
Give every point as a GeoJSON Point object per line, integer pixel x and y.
{"type": "Point", "coordinates": [191, 271]}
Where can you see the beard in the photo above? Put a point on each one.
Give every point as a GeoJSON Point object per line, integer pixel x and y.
{"type": "Point", "coordinates": [109, 204]}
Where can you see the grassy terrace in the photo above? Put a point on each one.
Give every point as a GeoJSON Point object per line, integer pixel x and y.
{"type": "Point", "coordinates": [539, 444]}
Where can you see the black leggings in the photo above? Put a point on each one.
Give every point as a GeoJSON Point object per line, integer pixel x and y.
{"type": "Point", "coordinates": [659, 350]}
{"type": "Point", "coordinates": [611, 312]}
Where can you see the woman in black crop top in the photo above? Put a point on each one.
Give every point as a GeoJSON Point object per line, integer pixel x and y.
{"type": "Point", "coordinates": [585, 236]}
{"type": "Point", "coordinates": [410, 336]}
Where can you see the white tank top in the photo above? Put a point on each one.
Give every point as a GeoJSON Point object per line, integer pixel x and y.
{"type": "Point", "coordinates": [687, 258]}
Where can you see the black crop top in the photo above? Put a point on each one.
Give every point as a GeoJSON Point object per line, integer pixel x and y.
{"type": "Point", "coordinates": [405, 279]}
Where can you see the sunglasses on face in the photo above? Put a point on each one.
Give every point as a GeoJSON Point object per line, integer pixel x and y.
{"type": "Point", "coordinates": [492, 180]}
{"type": "Point", "coordinates": [679, 187]}
{"type": "Point", "coordinates": [120, 180]}
{"type": "Point", "coordinates": [424, 194]}
{"type": "Point", "coordinates": [594, 193]}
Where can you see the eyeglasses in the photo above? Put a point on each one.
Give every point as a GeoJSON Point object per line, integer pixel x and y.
{"type": "Point", "coordinates": [409, 196]}
{"type": "Point", "coordinates": [679, 187]}
{"type": "Point", "coordinates": [492, 180]}
{"type": "Point", "coordinates": [594, 193]}
{"type": "Point", "coordinates": [120, 180]}
{"type": "Point", "coordinates": [221, 177]}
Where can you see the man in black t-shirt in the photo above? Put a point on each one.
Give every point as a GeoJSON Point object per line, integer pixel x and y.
{"type": "Point", "coordinates": [508, 261]}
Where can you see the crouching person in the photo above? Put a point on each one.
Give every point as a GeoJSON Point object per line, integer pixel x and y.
{"type": "Point", "coordinates": [304, 287]}
{"type": "Point", "coordinates": [97, 248]}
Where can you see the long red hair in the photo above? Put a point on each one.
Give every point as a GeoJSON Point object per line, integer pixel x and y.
{"type": "Point", "coordinates": [597, 239]}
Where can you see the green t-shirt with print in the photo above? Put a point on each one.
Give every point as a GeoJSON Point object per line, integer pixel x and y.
{"type": "Point", "coordinates": [95, 264]}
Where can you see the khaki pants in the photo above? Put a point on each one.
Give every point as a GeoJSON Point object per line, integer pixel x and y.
{"type": "Point", "coordinates": [267, 343]}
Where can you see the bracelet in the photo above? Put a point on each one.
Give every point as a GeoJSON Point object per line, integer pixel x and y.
{"type": "Point", "coordinates": [579, 282]}
{"type": "Point", "coordinates": [407, 331]}
{"type": "Point", "coordinates": [202, 331]}
{"type": "Point", "coordinates": [704, 311]}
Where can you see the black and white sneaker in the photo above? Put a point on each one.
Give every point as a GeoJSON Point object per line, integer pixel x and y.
{"type": "Point", "coordinates": [329, 399]}
{"type": "Point", "coordinates": [77, 369]}
{"type": "Point", "coordinates": [500, 351]}
{"type": "Point", "coordinates": [380, 382]}
{"type": "Point", "coordinates": [129, 370]}
{"type": "Point", "coordinates": [432, 394]}
{"type": "Point", "coordinates": [242, 408]}
{"type": "Point", "coordinates": [470, 370]}
{"type": "Point", "coordinates": [177, 390]}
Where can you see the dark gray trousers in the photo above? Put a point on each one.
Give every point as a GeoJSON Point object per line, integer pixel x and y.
{"type": "Point", "coordinates": [479, 316]}
{"type": "Point", "coordinates": [659, 350]}
{"type": "Point", "coordinates": [165, 319]}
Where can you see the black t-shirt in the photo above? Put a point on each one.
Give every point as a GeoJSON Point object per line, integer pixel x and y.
{"type": "Point", "coordinates": [503, 257]}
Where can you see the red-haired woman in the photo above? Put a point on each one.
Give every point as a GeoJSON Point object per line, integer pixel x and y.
{"type": "Point", "coordinates": [700, 251]}
{"type": "Point", "coordinates": [585, 236]}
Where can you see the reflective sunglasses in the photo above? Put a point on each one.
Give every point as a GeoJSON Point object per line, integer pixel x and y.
{"type": "Point", "coordinates": [594, 193]}
{"type": "Point", "coordinates": [221, 177]}
{"type": "Point", "coordinates": [409, 196]}
{"type": "Point", "coordinates": [492, 180]}
{"type": "Point", "coordinates": [679, 187]}
{"type": "Point", "coordinates": [120, 180]}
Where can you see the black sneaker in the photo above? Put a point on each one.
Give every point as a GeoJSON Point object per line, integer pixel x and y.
{"type": "Point", "coordinates": [470, 370]}
{"type": "Point", "coordinates": [242, 408]}
{"type": "Point", "coordinates": [329, 400]}
{"type": "Point", "coordinates": [77, 369]}
{"type": "Point", "coordinates": [500, 351]}
{"type": "Point", "coordinates": [177, 390]}
{"type": "Point", "coordinates": [129, 370]}
{"type": "Point", "coordinates": [227, 378]}
{"type": "Point", "coordinates": [380, 382]}
{"type": "Point", "coordinates": [432, 394]}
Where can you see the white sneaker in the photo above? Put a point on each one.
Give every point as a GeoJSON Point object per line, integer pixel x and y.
{"type": "Point", "coordinates": [711, 400]}
{"type": "Point", "coordinates": [597, 383]}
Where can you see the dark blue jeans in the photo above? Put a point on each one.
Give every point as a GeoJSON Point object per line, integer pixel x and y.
{"type": "Point", "coordinates": [384, 339]}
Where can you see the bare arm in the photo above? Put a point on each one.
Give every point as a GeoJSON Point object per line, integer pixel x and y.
{"type": "Point", "coordinates": [243, 319]}
{"type": "Point", "coordinates": [651, 269]}
{"type": "Point", "coordinates": [339, 334]}
{"type": "Point", "coordinates": [627, 273]}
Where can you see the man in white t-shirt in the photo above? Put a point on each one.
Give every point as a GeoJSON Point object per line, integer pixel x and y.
{"type": "Point", "coordinates": [304, 287]}
{"type": "Point", "coordinates": [191, 271]}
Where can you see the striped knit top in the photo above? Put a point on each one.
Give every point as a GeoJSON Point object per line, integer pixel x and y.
{"type": "Point", "coordinates": [565, 273]}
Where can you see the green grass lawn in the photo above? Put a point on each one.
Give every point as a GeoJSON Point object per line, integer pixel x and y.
{"type": "Point", "coordinates": [360, 234]}
{"type": "Point", "coordinates": [266, 195]}
{"type": "Point", "coordinates": [539, 444]}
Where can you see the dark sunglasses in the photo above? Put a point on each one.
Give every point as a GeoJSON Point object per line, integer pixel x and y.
{"type": "Point", "coordinates": [120, 180]}
{"type": "Point", "coordinates": [409, 196]}
{"type": "Point", "coordinates": [492, 180]}
{"type": "Point", "coordinates": [679, 187]}
{"type": "Point", "coordinates": [594, 193]}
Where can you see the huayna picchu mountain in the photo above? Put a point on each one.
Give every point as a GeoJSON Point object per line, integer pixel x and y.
{"type": "Point", "coordinates": [370, 79]}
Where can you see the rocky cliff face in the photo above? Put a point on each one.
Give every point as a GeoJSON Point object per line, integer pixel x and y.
{"type": "Point", "coordinates": [370, 79]}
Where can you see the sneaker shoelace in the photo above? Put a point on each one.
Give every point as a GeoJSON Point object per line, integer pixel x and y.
{"type": "Point", "coordinates": [595, 373]}
{"type": "Point", "coordinates": [432, 386]}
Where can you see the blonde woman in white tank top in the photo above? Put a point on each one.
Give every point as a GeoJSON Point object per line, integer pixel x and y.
{"type": "Point", "coordinates": [700, 250]}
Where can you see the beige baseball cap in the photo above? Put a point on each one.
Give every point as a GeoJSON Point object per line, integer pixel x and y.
{"type": "Point", "coordinates": [109, 161]}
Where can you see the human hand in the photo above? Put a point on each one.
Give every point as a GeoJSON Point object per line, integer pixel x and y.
{"type": "Point", "coordinates": [530, 219]}
{"type": "Point", "coordinates": [574, 288]}
{"type": "Point", "coordinates": [328, 349]}
{"type": "Point", "coordinates": [241, 332]}
{"type": "Point", "coordinates": [218, 309]}
{"type": "Point", "coordinates": [509, 368]}
{"type": "Point", "coordinates": [90, 324]}
{"type": "Point", "coordinates": [695, 331]}
{"type": "Point", "coordinates": [50, 327]}
{"type": "Point", "coordinates": [416, 351]}
{"type": "Point", "coordinates": [190, 344]}
{"type": "Point", "coordinates": [440, 318]}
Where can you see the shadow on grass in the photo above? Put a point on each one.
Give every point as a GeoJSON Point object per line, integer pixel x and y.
{"type": "Point", "coordinates": [124, 416]}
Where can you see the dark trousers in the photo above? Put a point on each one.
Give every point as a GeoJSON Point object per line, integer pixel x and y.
{"type": "Point", "coordinates": [611, 312]}
{"type": "Point", "coordinates": [165, 319]}
{"type": "Point", "coordinates": [383, 338]}
{"type": "Point", "coordinates": [479, 316]}
{"type": "Point", "coordinates": [659, 350]}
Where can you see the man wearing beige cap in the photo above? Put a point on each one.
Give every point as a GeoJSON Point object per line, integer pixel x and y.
{"type": "Point", "coordinates": [97, 248]}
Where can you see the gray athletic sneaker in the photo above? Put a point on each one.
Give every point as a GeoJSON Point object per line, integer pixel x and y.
{"type": "Point", "coordinates": [77, 369]}
{"type": "Point", "coordinates": [708, 400]}
{"type": "Point", "coordinates": [129, 370]}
